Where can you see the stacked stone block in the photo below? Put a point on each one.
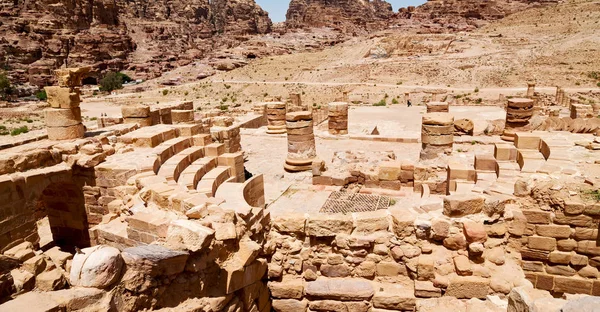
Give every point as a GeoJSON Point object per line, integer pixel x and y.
{"type": "Point", "coordinates": [301, 142]}
{"type": "Point", "coordinates": [63, 118]}
{"type": "Point", "coordinates": [437, 107]}
{"type": "Point", "coordinates": [518, 113]}
{"type": "Point", "coordinates": [437, 135]}
{"type": "Point", "coordinates": [139, 114]}
{"type": "Point", "coordinates": [185, 116]}
{"type": "Point", "coordinates": [581, 111]}
{"type": "Point", "coordinates": [229, 136]}
{"type": "Point", "coordinates": [559, 249]}
{"type": "Point", "coordinates": [276, 117]}
{"type": "Point", "coordinates": [338, 118]}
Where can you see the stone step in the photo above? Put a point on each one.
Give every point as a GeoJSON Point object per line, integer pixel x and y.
{"type": "Point", "coordinates": [212, 180]}
{"type": "Point", "coordinates": [530, 160]}
{"type": "Point", "coordinates": [173, 167]}
{"type": "Point", "coordinates": [194, 172]}
{"type": "Point", "coordinates": [167, 149]}
{"type": "Point", "coordinates": [149, 136]}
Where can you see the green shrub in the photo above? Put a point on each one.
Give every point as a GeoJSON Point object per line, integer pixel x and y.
{"type": "Point", "coordinates": [598, 84]}
{"type": "Point", "coordinates": [5, 86]}
{"type": "Point", "coordinates": [124, 77]}
{"type": "Point", "coordinates": [476, 89]}
{"type": "Point", "coordinates": [479, 100]}
{"type": "Point", "coordinates": [381, 103]}
{"type": "Point", "coordinates": [112, 81]}
{"type": "Point", "coordinates": [223, 107]}
{"type": "Point", "coordinates": [394, 101]}
{"type": "Point", "coordinates": [94, 118]}
{"type": "Point", "coordinates": [41, 95]}
{"type": "Point", "coordinates": [594, 75]}
{"type": "Point", "coordinates": [19, 130]}
{"type": "Point", "coordinates": [165, 92]}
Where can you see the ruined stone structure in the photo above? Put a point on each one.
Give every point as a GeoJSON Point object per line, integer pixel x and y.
{"type": "Point", "coordinates": [301, 142]}
{"type": "Point", "coordinates": [437, 107]}
{"type": "Point", "coordinates": [437, 135]}
{"type": "Point", "coordinates": [174, 217]}
{"type": "Point", "coordinates": [338, 118]}
{"type": "Point", "coordinates": [63, 118]}
{"type": "Point", "coordinates": [276, 117]}
{"type": "Point", "coordinates": [581, 111]}
{"type": "Point", "coordinates": [518, 113]}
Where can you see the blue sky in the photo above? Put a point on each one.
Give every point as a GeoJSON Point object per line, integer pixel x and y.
{"type": "Point", "coordinates": [277, 8]}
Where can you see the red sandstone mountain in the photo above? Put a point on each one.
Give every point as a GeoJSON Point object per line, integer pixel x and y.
{"type": "Point", "coordinates": [148, 35]}
{"type": "Point", "coordinates": [349, 16]}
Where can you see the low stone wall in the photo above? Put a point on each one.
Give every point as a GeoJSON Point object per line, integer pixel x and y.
{"type": "Point", "coordinates": [559, 244]}
{"type": "Point", "coordinates": [388, 259]}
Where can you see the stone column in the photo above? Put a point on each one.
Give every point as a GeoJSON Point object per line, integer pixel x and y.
{"type": "Point", "coordinates": [338, 118]}
{"type": "Point", "coordinates": [63, 118]}
{"type": "Point", "coordinates": [276, 117]}
{"type": "Point", "coordinates": [301, 142]}
{"type": "Point", "coordinates": [437, 107]}
{"type": "Point", "coordinates": [518, 113]}
{"type": "Point", "coordinates": [437, 135]}
{"type": "Point", "coordinates": [530, 89]}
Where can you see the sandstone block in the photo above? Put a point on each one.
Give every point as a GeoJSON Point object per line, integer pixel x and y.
{"type": "Point", "coordinates": [323, 225]}
{"type": "Point", "coordinates": [285, 305]}
{"type": "Point", "coordinates": [460, 205]}
{"type": "Point", "coordinates": [189, 235]}
{"type": "Point", "coordinates": [572, 285]}
{"type": "Point", "coordinates": [135, 111]}
{"type": "Point", "coordinates": [468, 287]}
{"type": "Point", "coordinates": [66, 133]}
{"type": "Point", "coordinates": [474, 232]}
{"type": "Point", "coordinates": [426, 289]}
{"type": "Point", "coordinates": [287, 289]}
{"type": "Point", "coordinates": [394, 297]}
{"type": "Point", "coordinates": [556, 231]}
{"type": "Point", "coordinates": [340, 289]}
{"type": "Point", "coordinates": [50, 280]}
{"type": "Point", "coordinates": [559, 257]}
{"type": "Point", "coordinates": [522, 298]}
{"type": "Point", "coordinates": [62, 117]}
{"type": "Point", "coordinates": [60, 97]}
{"type": "Point", "coordinates": [541, 243]}
{"type": "Point", "coordinates": [370, 222]}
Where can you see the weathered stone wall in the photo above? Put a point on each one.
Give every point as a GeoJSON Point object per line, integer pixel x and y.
{"type": "Point", "coordinates": [558, 240]}
{"type": "Point", "coordinates": [387, 259]}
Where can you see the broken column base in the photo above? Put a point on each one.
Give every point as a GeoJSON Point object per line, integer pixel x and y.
{"type": "Point", "coordinates": [66, 133]}
{"type": "Point", "coordinates": [298, 165]}
{"type": "Point", "coordinates": [276, 129]}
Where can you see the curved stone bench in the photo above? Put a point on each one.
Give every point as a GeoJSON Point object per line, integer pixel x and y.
{"type": "Point", "coordinates": [243, 197]}
{"type": "Point", "coordinates": [212, 180]}
{"type": "Point", "coordinates": [167, 149]}
{"type": "Point", "coordinates": [194, 172]}
{"type": "Point", "coordinates": [173, 167]}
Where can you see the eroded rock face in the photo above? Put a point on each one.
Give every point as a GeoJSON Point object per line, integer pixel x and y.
{"type": "Point", "coordinates": [349, 16]}
{"type": "Point", "coordinates": [39, 36]}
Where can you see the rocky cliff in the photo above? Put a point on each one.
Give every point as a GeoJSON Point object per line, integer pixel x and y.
{"type": "Point", "coordinates": [349, 16]}
{"type": "Point", "coordinates": [143, 35]}
{"type": "Point", "coordinates": [460, 15]}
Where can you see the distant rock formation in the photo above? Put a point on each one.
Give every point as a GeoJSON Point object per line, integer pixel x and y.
{"type": "Point", "coordinates": [348, 16]}
{"type": "Point", "coordinates": [143, 35]}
